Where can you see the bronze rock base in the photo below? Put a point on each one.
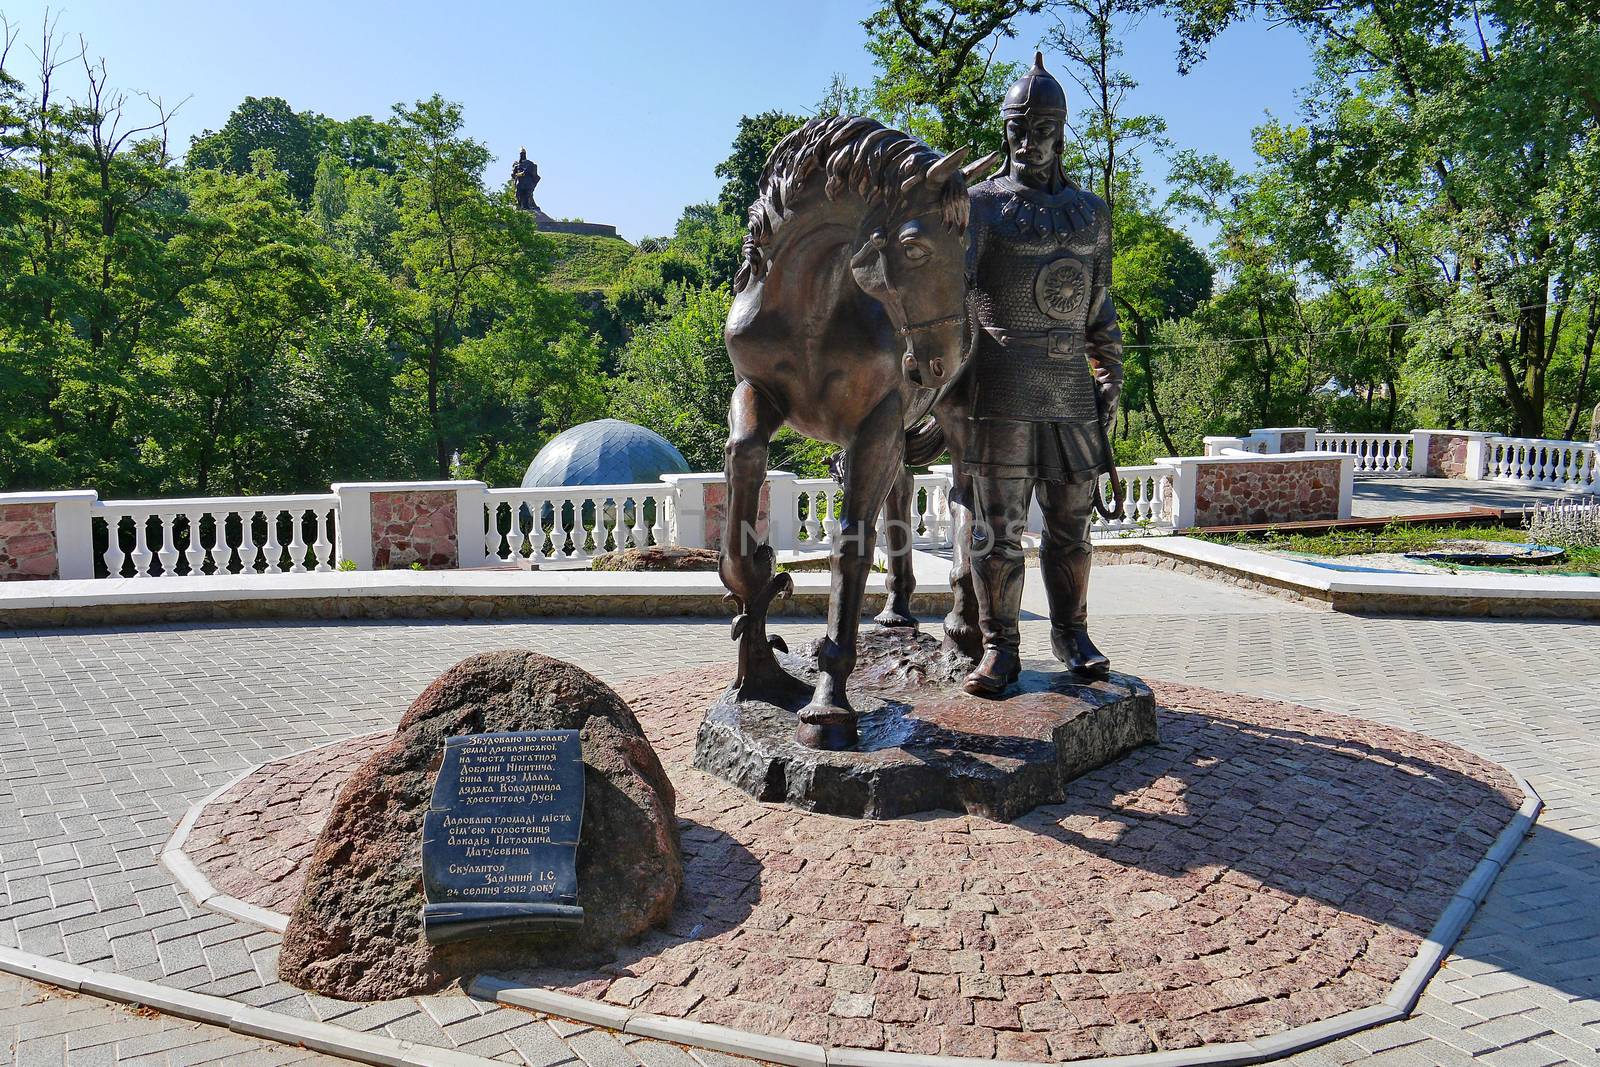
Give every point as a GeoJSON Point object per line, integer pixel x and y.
{"type": "Point", "coordinates": [924, 743]}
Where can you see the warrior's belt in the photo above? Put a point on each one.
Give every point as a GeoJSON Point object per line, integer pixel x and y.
{"type": "Point", "coordinates": [1069, 343]}
{"type": "Point", "coordinates": [1051, 342]}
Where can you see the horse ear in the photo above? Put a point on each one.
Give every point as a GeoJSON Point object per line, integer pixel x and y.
{"type": "Point", "coordinates": [980, 168]}
{"type": "Point", "coordinates": [946, 168]}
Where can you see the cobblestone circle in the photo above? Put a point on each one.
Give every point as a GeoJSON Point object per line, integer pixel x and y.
{"type": "Point", "coordinates": [109, 734]}
{"type": "Point", "coordinates": [1264, 866]}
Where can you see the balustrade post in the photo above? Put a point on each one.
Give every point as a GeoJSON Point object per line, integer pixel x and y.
{"type": "Point", "coordinates": [1284, 439]}
{"type": "Point", "coordinates": [47, 535]}
{"type": "Point", "coordinates": [1183, 486]}
{"type": "Point", "coordinates": [1421, 444]}
{"type": "Point", "coordinates": [1216, 445]}
{"type": "Point", "coordinates": [472, 498]}
{"type": "Point", "coordinates": [353, 537]}
{"type": "Point", "coordinates": [75, 532]}
{"type": "Point", "coordinates": [1477, 454]}
{"type": "Point", "coordinates": [783, 517]}
{"type": "Point", "coordinates": [689, 507]}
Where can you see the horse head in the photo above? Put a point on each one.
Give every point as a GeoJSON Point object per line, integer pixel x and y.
{"type": "Point", "coordinates": [911, 258]}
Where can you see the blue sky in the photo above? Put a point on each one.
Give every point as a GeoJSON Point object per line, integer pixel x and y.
{"type": "Point", "coordinates": [626, 106]}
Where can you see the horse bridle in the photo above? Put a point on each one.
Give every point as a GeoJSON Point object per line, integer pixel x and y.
{"type": "Point", "coordinates": [930, 324]}
{"type": "Point", "coordinates": [914, 327]}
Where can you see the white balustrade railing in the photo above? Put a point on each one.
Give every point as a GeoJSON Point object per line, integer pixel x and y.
{"type": "Point", "coordinates": [1535, 461]}
{"type": "Point", "coordinates": [931, 518]}
{"type": "Point", "coordinates": [818, 503]}
{"type": "Point", "coordinates": [1376, 453]}
{"type": "Point", "coordinates": [292, 534]}
{"type": "Point", "coordinates": [576, 523]}
{"type": "Point", "coordinates": [216, 535]}
{"type": "Point", "coordinates": [1149, 499]}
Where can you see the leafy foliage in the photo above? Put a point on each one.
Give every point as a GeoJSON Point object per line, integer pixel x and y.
{"type": "Point", "coordinates": [757, 136]}
{"type": "Point", "coordinates": [305, 298]}
{"type": "Point", "coordinates": [302, 301]}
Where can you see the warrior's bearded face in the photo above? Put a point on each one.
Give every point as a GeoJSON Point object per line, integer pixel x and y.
{"type": "Point", "coordinates": [1033, 146]}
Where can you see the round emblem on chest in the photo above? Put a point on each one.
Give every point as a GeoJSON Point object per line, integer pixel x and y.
{"type": "Point", "coordinates": [1060, 287]}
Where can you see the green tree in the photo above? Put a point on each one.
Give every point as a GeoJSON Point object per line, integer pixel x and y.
{"type": "Point", "coordinates": [755, 139]}
{"type": "Point", "coordinates": [938, 77]}
{"type": "Point", "coordinates": [279, 377]}
{"type": "Point", "coordinates": [1158, 276]}
{"type": "Point", "coordinates": [469, 271]}
{"type": "Point", "coordinates": [1106, 139]}
{"type": "Point", "coordinates": [1451, 146]}
{"type": "Point", "coordinates": [263, 122]}
{"type": "Point", "coordinates": [92, 208]}
{"type": "Point", "coordinates": [704, 250]}
{"type": "Point", "coordinates": [676, 377]}
{"type": "Point", "coordinates": [330, 192]}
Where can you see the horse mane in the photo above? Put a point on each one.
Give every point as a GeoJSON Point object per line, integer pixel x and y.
{"type": "Point", "coordinates": [852, 153]}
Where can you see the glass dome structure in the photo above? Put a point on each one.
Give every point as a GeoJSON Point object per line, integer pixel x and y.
{"type": "Point", "coordinates": [604, 452]}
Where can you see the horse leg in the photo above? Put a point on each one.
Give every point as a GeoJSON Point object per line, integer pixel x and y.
{"type": "Point", "coordinates": [746, 565]}
{"type": "Point", "coordinates": [877, 457]}
{"type": "Point", "coordinates": [898, 536]}
{"type": "Point", "coordinates": [961, 630]}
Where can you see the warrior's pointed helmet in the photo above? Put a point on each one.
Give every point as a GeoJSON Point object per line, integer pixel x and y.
{"type": "Point", "coordinates": [1036, 92]}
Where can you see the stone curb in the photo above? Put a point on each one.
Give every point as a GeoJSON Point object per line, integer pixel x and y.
{"type": "Point", "coordinates": [488, 593]}
{"type": "Point", "coordinates": [1397, 1005]}
{"type": "Point", "coordinates": [239, 1018]}
{"type": "Point", "coordinates": [1492, 595]}
{"type": "Point", "coordinates": [190, 878]}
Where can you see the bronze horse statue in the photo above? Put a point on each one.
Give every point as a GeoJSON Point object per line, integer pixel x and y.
{"type": "Point", "coordinates": [848, 319]}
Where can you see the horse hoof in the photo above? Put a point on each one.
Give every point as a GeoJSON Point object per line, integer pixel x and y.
{"type": "Point", "coordinates": [892, 618]}
{"type": "Point", "coordinates": [966, 640]}
{"type": "Point", "coordinates": [827, 736]}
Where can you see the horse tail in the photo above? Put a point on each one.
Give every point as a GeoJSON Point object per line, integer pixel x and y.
{"type": "Point", "coordinates": [924, 442]}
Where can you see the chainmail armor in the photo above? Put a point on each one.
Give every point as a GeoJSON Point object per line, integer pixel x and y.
{"type": "Point", "coordinates": [1041, 264]}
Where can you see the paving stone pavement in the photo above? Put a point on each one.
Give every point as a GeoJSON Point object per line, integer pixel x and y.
{"type": "Point", "coordinates": [1380, 495]}
{"type": "Point", "coordinates": [108, 735]}
{"type": "Point", "coordinates": [41, 1025]}
{"type": "Point", "coordinates": [1170, 901]}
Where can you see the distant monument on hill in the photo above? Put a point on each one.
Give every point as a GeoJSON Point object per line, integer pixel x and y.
{"type": "Point", "coordinates": [525, 177]}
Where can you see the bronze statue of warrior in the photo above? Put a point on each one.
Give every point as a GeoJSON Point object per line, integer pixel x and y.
{"type": "Point", "coordinates": [1046, 375]}
{"type": "Point", "coordinates": [525, 176]}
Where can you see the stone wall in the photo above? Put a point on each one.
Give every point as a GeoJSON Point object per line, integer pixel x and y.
{"type": "Point", "coordinates": [27, 542]}
{"type": "Point", "coordinates": [1262, 491]}
{"type": "Point", "coordinates": [414, 526]}
{"type": "Point", "coordinates": [927, 601]}
{"type": "Point", "coordinates": [586, 229]}
{"type": "Point", "coordinates": [1447, 455]}
{"type": "Point", "coordinates": [717, 512]}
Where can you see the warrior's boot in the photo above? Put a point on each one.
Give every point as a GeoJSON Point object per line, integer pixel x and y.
{"type": "Point", "coordinates": [994, 673]}
{"type": "Point", "coordinates": [997, 580]}
{"type": "Point", "coordinates": [1073, 648]}
{"type": "Point", "coordinates": [1064, 569]}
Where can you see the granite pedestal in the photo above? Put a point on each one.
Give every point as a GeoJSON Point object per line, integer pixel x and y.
{"type": "Point", "coordinates": [924, 743]}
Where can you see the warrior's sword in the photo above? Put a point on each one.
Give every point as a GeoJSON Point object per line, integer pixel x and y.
{"type": "Point", "coordinates": [1119, 493]}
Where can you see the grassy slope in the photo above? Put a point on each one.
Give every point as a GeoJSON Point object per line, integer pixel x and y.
{"type": "Point", "coordinates": [1408, 539]}
{"type": "Point", "coordinates": [588, 264]}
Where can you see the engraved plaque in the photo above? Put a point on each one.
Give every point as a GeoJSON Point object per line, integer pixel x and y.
{"type": "Point", "coordinates": [500, 838]}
